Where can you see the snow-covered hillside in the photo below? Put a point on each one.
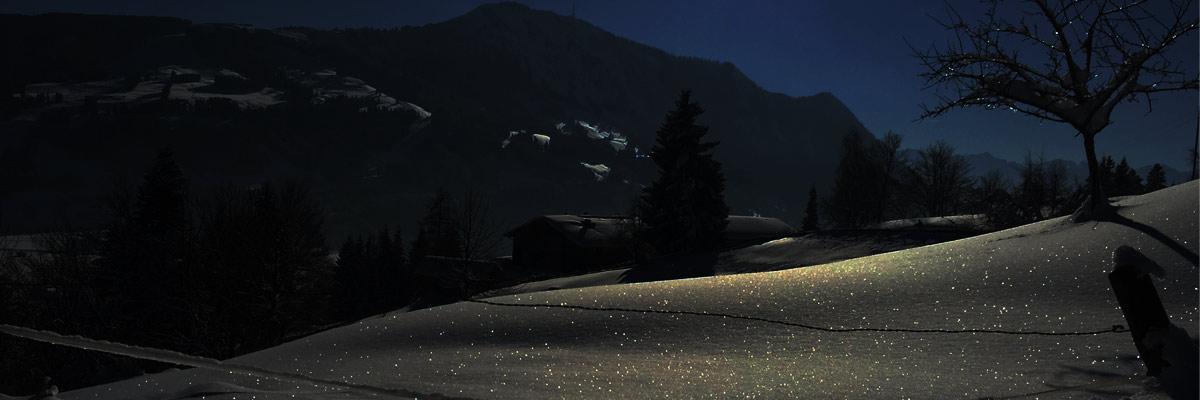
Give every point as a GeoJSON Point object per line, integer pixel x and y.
{"type": "Point", "coordinates": [1045, 277]}
{"type": "Point", "coordinates": [211, 84]}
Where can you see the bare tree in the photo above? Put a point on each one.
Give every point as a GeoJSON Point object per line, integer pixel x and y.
{"type": "Point", "coordinates": [477, 234]}
{"type": "Point", "coordinates": [1031, 193]}
{"type": "Point", "coordinates": [889, 161]}
{"type": "Point", "coordinates": [1194, 152]}
{"type": "Point", "coordinates": [938, 180]}
{"type": "Point", "coordinates": [1057, 188]}
{"type": "Point", "coordinates": [1087, 56]}
{"type": "Point", "coordinates": [477, 230]}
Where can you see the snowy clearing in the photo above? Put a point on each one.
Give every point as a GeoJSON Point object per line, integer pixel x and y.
{"type": "Point", "coordinates": [1048, 276]}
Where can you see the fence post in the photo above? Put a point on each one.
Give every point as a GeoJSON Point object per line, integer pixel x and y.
{"type": "Point", "coordinates": [1143, 311]}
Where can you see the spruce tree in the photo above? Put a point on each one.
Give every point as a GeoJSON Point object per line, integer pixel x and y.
{"type": "Point", "coordinates": [1156, 179]}
{"type": "Point", "coordinates": [1126, 180]}
{"type": "Point", "coordinates": [436, 233]}
{"type": "Point", "coordinates": [161, 208]}
{"type": "Point", "coordinates": [384, 259]}
{"type": "Point", "coordinates": [146, 258]}
{"type": "Point", "coordinates": [350, 276]}
{"type": "Point", "coordinates": [398, 277]}
{"type": "Point", "coordinates": [810, 212]}
{"type": "Point", "coordinates": [1106, 172]}
{"type": "Point", "coordinates": [685, 207]}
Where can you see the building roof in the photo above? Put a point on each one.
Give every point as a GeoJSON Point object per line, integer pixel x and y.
{"type": "Point", "coordinates": [592, 231]}
{"type": "Point", "coordinates": [584, 231]}
{"type": "Point", "coordinates": [743, 228]}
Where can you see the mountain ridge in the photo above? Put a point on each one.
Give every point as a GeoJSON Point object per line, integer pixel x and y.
{"type": "Point", "coordinates": [498, 68]}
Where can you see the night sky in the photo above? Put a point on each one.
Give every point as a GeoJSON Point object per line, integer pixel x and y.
{"type": "Point", "coordinates": [855, 50]}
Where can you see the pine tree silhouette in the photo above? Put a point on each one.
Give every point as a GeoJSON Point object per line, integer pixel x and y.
{"type": "Point", "coordinates": [147, 256]}
{"type": "Point", "coordinates": [1126, 180]}
{"type": "Point", "coordinates": [436, 233]}
{"type": "Point", "coordinates": [1156, 179]}
{"type": "Point", "coordinates": [810, 212]}
{"type": "Point", "coordinates": [685, 208]}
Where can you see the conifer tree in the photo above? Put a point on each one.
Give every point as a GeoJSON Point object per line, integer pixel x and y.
{"type": "Point", "coordinates": [810, 212]}
{"type": "Point", "coordinates": [1156, 179]}
{"type": "Point", "coordinates": [397, 276]}
{"type": "Point", "coordinates": [146, 257]}
{"type": "Point", "coordinates": [436, 233]}
{"type": "Point", "coordinates": [1126, 180]}
{"type": "Point", "coordinates": [383, 263]}
{"type": "Point", "coordinates": [162, 197]}
{"type": "Point", "coordinates": [350, 276]}
{"type": "Point", "coordinates": [1105, 170]}
{"type": "Point", "coordinates": [685, 207]}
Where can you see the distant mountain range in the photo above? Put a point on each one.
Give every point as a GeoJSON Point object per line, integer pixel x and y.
{"type": "Point", "coordinates": [498, 69]}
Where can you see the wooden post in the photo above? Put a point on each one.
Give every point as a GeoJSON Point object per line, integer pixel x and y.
{"type": "Point", "coordinates": [1143, 311]}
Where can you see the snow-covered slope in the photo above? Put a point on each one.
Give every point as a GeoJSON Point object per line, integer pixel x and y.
{"type": "Point", "coordinates": [1046, 277]}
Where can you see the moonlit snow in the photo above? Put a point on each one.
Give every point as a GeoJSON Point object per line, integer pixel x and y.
{"type": "Point", "coordinates": [599, 170]}
{"type": "Point", "coordinates": [1046, 277]}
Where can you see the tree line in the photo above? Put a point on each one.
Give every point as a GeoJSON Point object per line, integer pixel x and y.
{"type": "Point", "coordinates": [218, 275]}
{"type": "Point", "coordinates": [238, 269]}
{"type": "Point", "coordinates": [876, 180]}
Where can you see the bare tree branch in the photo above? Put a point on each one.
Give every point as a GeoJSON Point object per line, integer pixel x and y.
{"type": "Point", "coordinates": [1094, 55]}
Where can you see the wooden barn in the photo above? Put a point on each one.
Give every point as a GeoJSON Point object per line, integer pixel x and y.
{"type": "Point", "coordinates": [573, 242]}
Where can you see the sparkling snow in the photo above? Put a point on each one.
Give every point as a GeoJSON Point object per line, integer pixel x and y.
{"type": "Point", "coordinates": [1048, 276]}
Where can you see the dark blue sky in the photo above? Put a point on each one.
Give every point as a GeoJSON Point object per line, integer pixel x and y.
{"type": "Point", "coordinates": [854, 49]}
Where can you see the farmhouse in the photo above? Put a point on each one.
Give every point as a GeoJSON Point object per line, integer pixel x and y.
{"type": "Point", "coordinates": [575, 242]}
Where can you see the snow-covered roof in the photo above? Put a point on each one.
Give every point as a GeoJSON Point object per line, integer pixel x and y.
{"type": "Point", "coordinates": [584, 231]}
{"type": "Point", "coordinates": [745, 228]}
{"type": "Point", "coordinates": [229, 74]}
{"type": "Point", "coordinates": [590, 231]}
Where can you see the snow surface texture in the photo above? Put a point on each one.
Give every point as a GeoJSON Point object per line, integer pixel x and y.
{"type": "Point", "coordinates": [965, 222]}
{"type": "Point", "coordinates": [1049, 276]}
{"type": "Point", "coordinates": [810, 249]}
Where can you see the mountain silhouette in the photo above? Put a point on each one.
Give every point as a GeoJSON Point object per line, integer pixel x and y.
{"type": "Point", "coordinates": [499, 68]}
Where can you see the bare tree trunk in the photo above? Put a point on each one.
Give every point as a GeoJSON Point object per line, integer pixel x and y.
{"type": "Point", "coordinates": [1096, 207]}
{"type": "Point", "coordinates": [1196, 149]}
{"type": "Point", "coordinates": [1095, 189]}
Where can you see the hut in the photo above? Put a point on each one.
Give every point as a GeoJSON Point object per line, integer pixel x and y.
{"type": "Point", "coordinates": [571, 242]}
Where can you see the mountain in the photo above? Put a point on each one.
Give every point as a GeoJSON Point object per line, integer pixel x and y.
{"type": "Point", "coordinates": [498, 69]}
